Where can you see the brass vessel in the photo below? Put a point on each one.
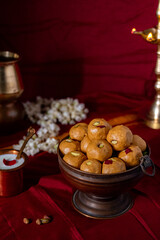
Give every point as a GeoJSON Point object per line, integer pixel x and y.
{"type": "Point", "coordinates": [11, 88]}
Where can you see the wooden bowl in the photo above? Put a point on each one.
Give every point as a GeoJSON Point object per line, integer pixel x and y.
{"type": "Point", "coordinates": [103, 195]}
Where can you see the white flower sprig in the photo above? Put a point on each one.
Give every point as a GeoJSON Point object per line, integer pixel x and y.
{"type": "Point", "coordinates": [47, 113]}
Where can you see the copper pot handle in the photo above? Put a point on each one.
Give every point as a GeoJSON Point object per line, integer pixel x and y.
{"type": "Point", "coordinates": [146, 162]}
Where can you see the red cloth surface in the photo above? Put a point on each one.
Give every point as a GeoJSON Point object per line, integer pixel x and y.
{"type": "Point", "coordinates": [47, 192]}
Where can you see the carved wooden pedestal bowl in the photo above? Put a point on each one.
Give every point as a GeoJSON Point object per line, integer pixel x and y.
{"type": "Point", "coordinates": [104, 196]}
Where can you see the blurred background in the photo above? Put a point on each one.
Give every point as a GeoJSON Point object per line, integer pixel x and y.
{"type": "Point", "coordinates": [80, 47]}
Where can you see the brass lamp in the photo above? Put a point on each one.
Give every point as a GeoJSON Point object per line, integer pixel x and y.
{"type": "Point", "coordinates": [11, 88]}
{"type": "Point", "coordinates": [152, 35]}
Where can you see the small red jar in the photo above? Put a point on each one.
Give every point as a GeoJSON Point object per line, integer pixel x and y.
{"type": "Point", "coordinates": [11, 179]}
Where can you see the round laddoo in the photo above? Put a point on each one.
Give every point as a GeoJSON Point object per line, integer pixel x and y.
{"type": "Point", "coordinates": [78, 131]}
{"type": "Point", "coordinates": [138, 141]}
{"type": "Point", "coordinates": [74, 158]}
{"type": "Point", "coordinates": [68, 145]}
{"type": "Point", "coordinates": [99, 149]}
{"type": "Point", "coordinates": [84, 143]}
{"type": "Point", "coordinates": [113, 165]}
{"type": "Point", "coordinates": [120, 137]}
{"type": "Point", "coordinates": [131, 156]}
{"type": "Point", "coordinates": [91, 166]}
{"type": "Point", "coordinates": [98, 129]}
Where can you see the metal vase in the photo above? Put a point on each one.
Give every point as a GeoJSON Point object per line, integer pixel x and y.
{"type": "Point", "coordinates": [11, 88]}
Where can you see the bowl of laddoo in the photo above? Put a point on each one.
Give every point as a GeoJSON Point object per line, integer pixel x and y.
{"type": "Point", "coordinates": [103, 163]}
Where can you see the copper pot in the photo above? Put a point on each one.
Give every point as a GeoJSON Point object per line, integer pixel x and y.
{"type": "Point", "coordinates": [11, 180]}
{"type": "Point", "coordinates": [102, 195]}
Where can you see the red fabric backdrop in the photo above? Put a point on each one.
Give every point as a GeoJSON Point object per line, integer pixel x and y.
{"type": "Point", "coordinates": [71, 46]}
